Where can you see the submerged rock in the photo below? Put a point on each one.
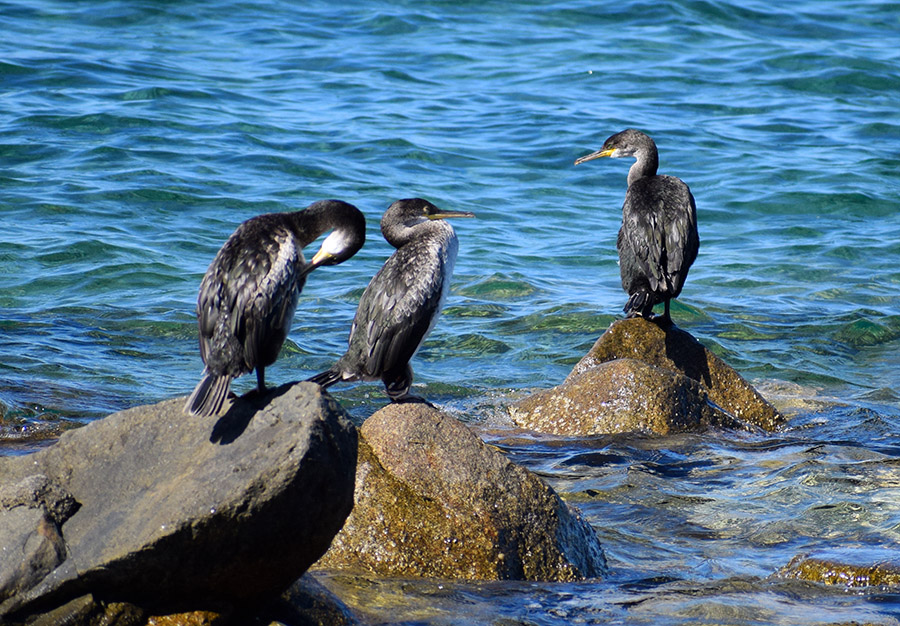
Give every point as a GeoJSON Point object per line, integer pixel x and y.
{"type": "Point", "coordinates": [828, 570]}
{"type": "Point", "coordinates": [641, 377]}
{"type": "Point", "coordinates": [173, 513]}
{"type": "Point", "coordinates": [433, 500]}
{"type": "Point", "coordinates": [308, 602]}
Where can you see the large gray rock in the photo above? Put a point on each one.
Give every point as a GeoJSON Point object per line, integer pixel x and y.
{"type": "Point", "coordinates": [31, 544]}
{"type": "Point", "coordinates": [169, 512]}
{"type": "Point", "coordinates": [433, 500]}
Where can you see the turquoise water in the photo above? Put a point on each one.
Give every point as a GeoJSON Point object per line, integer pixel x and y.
{"type": "Point", "coordinates": [135, 136]}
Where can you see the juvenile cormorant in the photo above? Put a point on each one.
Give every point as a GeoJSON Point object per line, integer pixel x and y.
{"type": "Point", "coordinates": [658, 240]}
{"type": "Point", "coordinates": [402, 302]}
{"type": "Point", "coordinates": [250, 291]}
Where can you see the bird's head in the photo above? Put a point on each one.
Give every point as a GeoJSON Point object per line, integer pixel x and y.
{"type": "Point", "coordinates": [628, 143]}
{"type": "Point", "coordinates": [416, 210]}
{"type": "Point", "coordinates": [347, 236]}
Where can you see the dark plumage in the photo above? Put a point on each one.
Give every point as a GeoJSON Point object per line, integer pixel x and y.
{"type": "Point", "coordinates": [658, 240]}
{"type": "Point", "coordinates": [403, 301]}
{"type": "Point", "coordinates": [250, 291]}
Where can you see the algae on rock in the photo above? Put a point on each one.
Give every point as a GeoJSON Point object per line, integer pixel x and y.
{"type": "Point", "coordinates": [433, 500]}
{"type": "Point", "coordinates": [641, 377]}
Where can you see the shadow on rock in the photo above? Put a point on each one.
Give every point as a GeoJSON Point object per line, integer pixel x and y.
{"type": "Point", "coordinates": [235, 421]}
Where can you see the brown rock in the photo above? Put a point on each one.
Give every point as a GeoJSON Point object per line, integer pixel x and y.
{"type": "Point", "coordinates": [193, 618]}
{"type": "Point", "coordinates": [432, 499]}
{"type": "Point", "coordinates": [624, 395]}
{"type": "Point", "coordinates": [678, 350]}
{"type": "Point", "coordinates": [828, 571]}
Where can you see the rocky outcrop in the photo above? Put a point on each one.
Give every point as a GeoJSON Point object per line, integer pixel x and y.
{"type": "Point", "coordinates": [639, 376]}
{"type": "Point", "coordinates": [678, 350]}
{"type": "Point", "coordinates": [167, 512]}
{"type": "Point", "coordinates": [624, 395]}
{"type": "Point", "coordinates": [433, 500]}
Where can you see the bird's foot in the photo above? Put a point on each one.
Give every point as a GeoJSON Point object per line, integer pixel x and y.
{"type": "Point", "coordinates": [411, 399]}
{"type": "Point", "coordinates": [647, 315]}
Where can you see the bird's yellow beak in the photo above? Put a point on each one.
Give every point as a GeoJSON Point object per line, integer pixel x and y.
{"type": "Point", "coordinates": [595, 155]}
{"type": "Point", "coordinates": [318, 259]}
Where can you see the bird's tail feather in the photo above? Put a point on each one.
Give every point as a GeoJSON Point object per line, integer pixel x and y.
{"type": "Point", "coordinates": [326, 378]}
{"type": "Point", "coordinates": [209, 396]}
{"type": "Point", "coordinates": [639, 303]}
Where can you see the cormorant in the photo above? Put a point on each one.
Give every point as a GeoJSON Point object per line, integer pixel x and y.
{"type": "Point", "coordinates": [402, 302]}
{"type": "Point", "coordinates": [250, 291]}
{"type": "Point", "coordinates": [658, 240]}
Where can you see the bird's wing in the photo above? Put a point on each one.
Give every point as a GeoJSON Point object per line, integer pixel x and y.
{"type": "Point", "coordinates": [642, 235]}
{"type": "Point", "coordinates": [397, 310]}
{"type": "Point", "coordinates": [681, 241]}
{"type": "Point", "coordinates": [250, 288]}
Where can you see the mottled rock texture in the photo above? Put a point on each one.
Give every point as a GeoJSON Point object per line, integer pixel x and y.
{"type": "Point", "coordinates": [641, 377]}
{"type": "Point", "coordinates": [843, 572]}
{"type": "Point", "coordinates": [433, 500]}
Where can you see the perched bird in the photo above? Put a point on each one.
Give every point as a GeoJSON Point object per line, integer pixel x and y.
{"type": "Point", "coordinates": [250, 291]}
{"type": "Point", "coordinates": [658, 240]}
{"type": "Point", "coordinates": [402, 302]}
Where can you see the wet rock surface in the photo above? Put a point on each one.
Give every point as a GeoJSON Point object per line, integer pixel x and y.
{"type": "Point", "coordinates": [641, 377]}
{"type": "Point", "coordinates": [845, 571]}
{"type": "Point", "coordinates": [433, 500]}
{"type": "Point", "coordinates": [176, 513]}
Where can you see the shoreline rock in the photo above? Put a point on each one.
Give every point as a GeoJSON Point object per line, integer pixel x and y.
{"type": "Point", "coordinates": [623, 395]}
{"type": "Point", "coordinates": [641, 377]}
{"type": "Point", "coordinates": [433, 500]}
{"type": "Point", "coordinates": [177, 513]}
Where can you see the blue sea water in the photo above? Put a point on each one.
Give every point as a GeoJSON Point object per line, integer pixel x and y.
{"type": "Point", "coordinates": [135, 136]}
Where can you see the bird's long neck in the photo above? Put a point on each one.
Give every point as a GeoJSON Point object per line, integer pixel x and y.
{"type": "Point", "coordinates": [319, 218]}
{"type": "Point", "coordinates": [401, 233]}
{"type": "Point", "coordinates": [646, 164]}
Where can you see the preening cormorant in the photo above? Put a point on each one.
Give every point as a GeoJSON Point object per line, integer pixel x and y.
{"type": "Point", "coordinates": [249, 293]}
{"type": "Point", "coordinates": [658, 240]}
{"type": "Point", "coordinates": [403, 301]}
